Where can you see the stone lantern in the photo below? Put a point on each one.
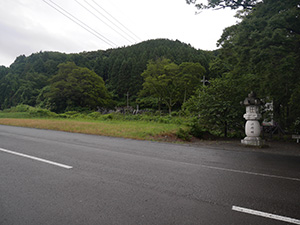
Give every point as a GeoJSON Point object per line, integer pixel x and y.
{"type": "Point", "coordinates": [252, 128]}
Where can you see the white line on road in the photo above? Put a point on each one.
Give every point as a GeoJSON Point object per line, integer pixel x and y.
{"type": "Point", "coordinates": [267, 215]}
{"type": "Point", "coordinates": [251, 173]}
{"type": "Point", "coordinates": [36, 158]}
{"type": "Point", "coordinates": [239, 171]}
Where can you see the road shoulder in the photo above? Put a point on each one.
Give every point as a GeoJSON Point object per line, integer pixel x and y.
{"type": "Point", "coordinates": [271, 146]}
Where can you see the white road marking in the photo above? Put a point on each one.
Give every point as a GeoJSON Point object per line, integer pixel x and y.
{"type": "Point", "coordinates": [251, 173]}
{"type": "Point", "coordinates": [267, 215]}
{"type": "Point", "coordinates": [36, 158]}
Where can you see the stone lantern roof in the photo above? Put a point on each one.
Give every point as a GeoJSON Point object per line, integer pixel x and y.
{"type": "Point", "coordinates": [252, 100]}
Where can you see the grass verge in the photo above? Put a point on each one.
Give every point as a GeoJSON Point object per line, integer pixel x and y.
{"type": "Point", "coordinates": [141, 130]}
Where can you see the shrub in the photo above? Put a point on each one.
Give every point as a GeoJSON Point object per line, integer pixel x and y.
{"type": "Point", "coordinates": [174, 113]}
{"type": "Point", "coordinates": [108, 116]}
{"type": "Point", "coordinates": [94, 115]}
{"type": "Point", "coordinates": [199, 131]}
{"type": "Point", "coordinates": [164, 120]}
{"type": "Point", "coordinates": [183, 134]}
{"type": "Point", "coordinates": [38, 112]}
{"type": "Point", "coordinates": [22, 108]}
{"type": "Point", "coordinates": [296, 126]}
{"type": "Point", "coordinates": [18, 108]}
{"type": "Point", "coordinates": [73, 114]}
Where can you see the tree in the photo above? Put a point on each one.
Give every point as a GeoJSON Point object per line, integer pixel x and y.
{"type": "Point", "coordinates": [190, 76]}
{"type": "Point", "coordinates": [218, 106]}
{"type": "Point", "coordinates": [221, 4]}
{"type": "Point", "coordinates": [152, 85]}
{"type": "Point", "coordinates": [3, 71]}
{"type": "Point", "coordinates": [295, 109]}
{"type": "Point", "coordinates": [161, 81]}
{"type": "Point", "coordinates": [29, 89]}
{"type": "Point", "coordinates": [9, 84]}
{"type": "Point", "coordinates": [75, 86]}
{"type": "Point", "coordinates": [120, 68]}
{"type": "Point", "coordinates": [171, 82]}
{"type": "Point", "coordinates": [267, 44]}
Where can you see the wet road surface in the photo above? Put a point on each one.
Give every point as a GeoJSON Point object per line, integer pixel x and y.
{"type": "Point", "coordinates": [51, 177]}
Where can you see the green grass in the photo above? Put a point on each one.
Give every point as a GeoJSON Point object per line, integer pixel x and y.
{"type": "Point", "coordinates": [114, 125]}
{"type": "Point", "coordinates": [15, 115]}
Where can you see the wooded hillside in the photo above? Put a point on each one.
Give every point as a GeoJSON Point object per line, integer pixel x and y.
{"type": "Point", "coordinates": [25, 81]}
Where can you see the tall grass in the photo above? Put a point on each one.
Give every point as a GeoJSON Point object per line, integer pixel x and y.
{"type": "Point", "coordinates": [143, 127]}
{"type": "Point", "coordinates": [127, 129]}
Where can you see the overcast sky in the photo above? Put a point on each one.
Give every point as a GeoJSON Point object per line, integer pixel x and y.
{"type": "Point", "coordinates": [30, 26]}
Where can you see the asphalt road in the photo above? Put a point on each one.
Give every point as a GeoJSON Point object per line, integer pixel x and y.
{"type": "Point", "coordinates": [90, 179]}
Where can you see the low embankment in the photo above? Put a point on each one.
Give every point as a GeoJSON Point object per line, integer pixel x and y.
{"type": "Point", "coordinates": [142, 127]}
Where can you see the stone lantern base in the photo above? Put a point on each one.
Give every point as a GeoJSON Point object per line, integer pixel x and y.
{"type": "Point", "coordinates": [253, 141]}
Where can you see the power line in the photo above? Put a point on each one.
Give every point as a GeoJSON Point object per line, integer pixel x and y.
{"type": "Point", "coordinates": [115, 20]}
{"type": "Point", "coordinates": [124, 31]}
{"type": "Point", "coordinates": [84, 26]}
{"type": "Point", "coordinates": [103, 21]}
{"type": "Point", "coordinates": [107, 40]}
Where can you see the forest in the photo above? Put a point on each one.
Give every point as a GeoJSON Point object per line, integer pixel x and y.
{"type": "Point", "coordinates": [32, 80]}
{"type": "Point", "coordinates": [261, 53]}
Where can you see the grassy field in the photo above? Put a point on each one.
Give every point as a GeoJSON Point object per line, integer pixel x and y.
{"type": "Point", "coordinates": [142, 130]}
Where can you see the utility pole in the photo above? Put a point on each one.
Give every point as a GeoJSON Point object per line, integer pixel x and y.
{"type": "Point", "coordinates": [204, 80]}
{"type": "Point", "coordinates": [127, 99]}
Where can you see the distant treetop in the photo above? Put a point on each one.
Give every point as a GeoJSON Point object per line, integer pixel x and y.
{"type": "Point", "coordinates": [222, 4]}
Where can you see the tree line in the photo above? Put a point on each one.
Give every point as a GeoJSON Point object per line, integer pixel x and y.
{"type": "Point", "coordinates": [28, 79]}
{"type": "Point", "coordinates": [260, 53]}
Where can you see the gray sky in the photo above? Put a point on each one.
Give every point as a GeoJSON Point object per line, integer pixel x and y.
{"type": "Point", "coordinates": [30, 26]}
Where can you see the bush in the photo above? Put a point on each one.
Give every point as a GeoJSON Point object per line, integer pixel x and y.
{"type": "Point", "coordinates": [108, 116]}
{"type": "Point", "coordinates": [94, 115]}
{"type": "Point", "coordinates": [183, 134]}
{"type": "Point", "coordinates": [296, 126]}
{"type": "Point", "coordinates": [174, 113]}
{"type": "Point", "coordinates": [165, 120]}
{"type": "Point", "coordinates": [71, 114]}
{"type": "Point", "coordinates": [31, 111]}
{"type": "Point", "coordinates": [18, 108]}
{"type": "Point", "coordinates": [38, 112]}
{"type": "Point", "coordinates": [22, 108]}
{"type": "Point", "coordinates": [199, 131]}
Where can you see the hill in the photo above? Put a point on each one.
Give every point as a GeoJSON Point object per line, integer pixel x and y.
{"type": "Point", "coordinates": [120, 68]}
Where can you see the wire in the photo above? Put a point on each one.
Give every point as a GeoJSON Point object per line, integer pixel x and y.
{"type": "Point", "coordinates": [103, 21]}
{"type": "Point", "coordinates": [115, 20]}
{"type": "Point", "coordinates": [124, 31]}
{"type": "Point", "coordinates": [84, 26]}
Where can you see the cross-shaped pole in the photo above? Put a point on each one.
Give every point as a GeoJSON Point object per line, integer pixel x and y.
{"type": "Point", "coordinates": [204, 80]}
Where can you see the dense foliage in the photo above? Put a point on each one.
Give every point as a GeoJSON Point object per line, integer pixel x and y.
{"type": "Point", "coordinates": [261, 53]}
{"type": "Point", "coordinates": [73, 87]}
{"type": "Point", "coordinates": [221, 4]}
{"type": "Point", "coordinates": [169, 83]}
{"type": "Point", "coordinates": [26, 80]}
{"type": "Point", "coordinates": [266, 45]}
{"type": "Point", "coordinates": [218, 105]}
